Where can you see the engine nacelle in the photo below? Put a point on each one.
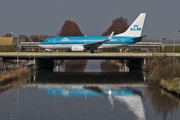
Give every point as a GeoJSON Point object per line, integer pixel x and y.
{"type": "Point", "coordinates": [48, 50]}
{"type": "Point", "coordinates": [100, 47]}
{"type": "Point", "coordinates": [77, 48]}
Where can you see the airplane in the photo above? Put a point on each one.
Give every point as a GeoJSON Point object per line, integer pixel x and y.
{"type": "Point", "coordinates": [83, 43]}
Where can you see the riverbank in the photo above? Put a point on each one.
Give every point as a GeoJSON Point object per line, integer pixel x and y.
{"type": "Point", "coordinates": [164, 72]}
{"type": "Point", "coordinates": [12, 77]}
{"type": "Point", "coordinates": [172, 86]}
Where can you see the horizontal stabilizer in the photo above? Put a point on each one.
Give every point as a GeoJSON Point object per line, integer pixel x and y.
{"type": "Point", "coordinates": [136, 38]}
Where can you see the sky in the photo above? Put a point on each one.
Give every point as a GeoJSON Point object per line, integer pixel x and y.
{"type": "Point", "coordinates": [30, 17]}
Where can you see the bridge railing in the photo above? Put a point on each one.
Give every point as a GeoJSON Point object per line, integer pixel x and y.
{"type": "Point", "coordinates": [29, 43]}
{"type": "Point", "coordinates": [138, 43]}
{"type": "Point", "coordinates": [148, 43]}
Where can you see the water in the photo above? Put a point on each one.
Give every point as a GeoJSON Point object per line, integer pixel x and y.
{"type": "Point", "coordinates": [88, 90]}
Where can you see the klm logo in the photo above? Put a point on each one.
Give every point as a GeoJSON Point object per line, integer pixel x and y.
{"type": "Point", "coordinates": [65, 39]}
{"type": "Point", "coordinates": [136, 28]}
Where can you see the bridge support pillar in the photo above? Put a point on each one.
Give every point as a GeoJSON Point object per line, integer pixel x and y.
{"type": "Point", "coordinates": [43, 64]}
{"type": "Point", "coordinates": [144, 61]}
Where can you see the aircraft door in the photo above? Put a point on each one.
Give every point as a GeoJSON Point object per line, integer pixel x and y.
{"type": "Point", "coordinates": [85, 41]}
{"type": "Point", "coordinates": [53, 41]}
{"type": "Point", "coordinates": [122, 40]}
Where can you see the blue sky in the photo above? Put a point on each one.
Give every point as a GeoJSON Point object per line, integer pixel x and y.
{"type": "Point", "coordinates": [31, 17]}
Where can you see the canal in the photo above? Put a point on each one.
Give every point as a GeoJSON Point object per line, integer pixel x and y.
{"type": "Point", "coordinates": [88, 90]}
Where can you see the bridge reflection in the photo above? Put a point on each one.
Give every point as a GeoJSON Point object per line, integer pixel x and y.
{"type": "Point", "coordinates": [89, 71]}
{"type": "Point", "coordinates": [47, 76]}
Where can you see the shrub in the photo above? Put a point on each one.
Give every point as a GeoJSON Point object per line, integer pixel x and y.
{"type": "Point", "coordinates": [162, 68]}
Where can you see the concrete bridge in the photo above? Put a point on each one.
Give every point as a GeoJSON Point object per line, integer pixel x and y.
{"type": "Point", "coordinates": [47, 59]}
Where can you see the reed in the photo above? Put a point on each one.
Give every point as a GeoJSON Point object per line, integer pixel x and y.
{"type": "Point", "coordinates": [15, 74]}
{"type": "Point", "coordinates": [163, 67]}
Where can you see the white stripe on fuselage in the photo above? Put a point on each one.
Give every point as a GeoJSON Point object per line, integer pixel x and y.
{"type": "Point", "coordinates": [68, 46]}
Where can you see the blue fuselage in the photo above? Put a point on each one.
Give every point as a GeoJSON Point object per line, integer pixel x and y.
{"type": "Point", "coordinates": [67, 42]}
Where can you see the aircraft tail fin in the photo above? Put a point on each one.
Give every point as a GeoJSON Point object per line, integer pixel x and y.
{"type": "Point", "coordinates": [136, 27]}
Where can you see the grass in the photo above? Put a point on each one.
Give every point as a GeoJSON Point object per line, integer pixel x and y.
{"type": "Point", "coordinates": [172, 86]}
{"type": "Point", "coordinates": [170, 48]}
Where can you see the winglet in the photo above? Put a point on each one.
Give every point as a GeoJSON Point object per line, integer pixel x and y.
{"type": "Point", "coordinates": [110, 36]}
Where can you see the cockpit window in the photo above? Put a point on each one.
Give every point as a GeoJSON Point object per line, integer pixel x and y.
{"type": "Point", "coordinates": [46, 40]}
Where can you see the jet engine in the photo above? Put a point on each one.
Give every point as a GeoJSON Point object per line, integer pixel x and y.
{"type": "Point", "coordinates": [77, 48]}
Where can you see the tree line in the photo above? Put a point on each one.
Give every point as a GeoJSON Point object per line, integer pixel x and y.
{"type": "Point", "coordinates": [70, 28]}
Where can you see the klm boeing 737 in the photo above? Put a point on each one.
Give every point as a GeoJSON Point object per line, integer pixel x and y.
{"type": "Point", "coordinates": [82, 43]}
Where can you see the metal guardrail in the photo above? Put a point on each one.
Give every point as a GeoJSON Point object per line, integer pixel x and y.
{"type": "Point", "coordinates": [29, 43]}
{"type": "Point", "coordinates": [148, 43]}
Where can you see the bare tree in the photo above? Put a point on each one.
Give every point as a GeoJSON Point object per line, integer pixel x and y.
{"type": "Point", "coordinates": [70, 28]}
{"type": "Point", "coordinates": [8, 35]}
{"type": "Point", "coordinates": [37, 38]}
{"type": "Point", "coordinates": [119, 25]}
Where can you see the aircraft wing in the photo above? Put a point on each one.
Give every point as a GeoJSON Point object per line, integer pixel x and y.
{"type": "Point", "coordinates": [98, 43]}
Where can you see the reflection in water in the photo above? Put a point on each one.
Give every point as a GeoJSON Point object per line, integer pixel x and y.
{"type": "Point", "coordinates": [10, 84]}
{"type": "Point", "coordinates": [88, 91]}
{"type": "Point", "coordinates": [94, 72]}
{"type": "Point", "coordinates": [83, 89]}
{"type": "Point", "coordinates": [164, 102]}
{"type": "Point", "coordinates": [128, 96]}
{"type": "Point", "coordinates": [134, 104]}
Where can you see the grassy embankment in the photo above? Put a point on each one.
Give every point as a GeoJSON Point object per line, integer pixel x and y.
{"type": "Point", "coordinates": [165, 72]}
{"type": "Point", "coordinates": [8, 48]}
{"type": "Point", "coordinates": [170, 49]}
{"type": "Point", "coordinates": [13, 77]}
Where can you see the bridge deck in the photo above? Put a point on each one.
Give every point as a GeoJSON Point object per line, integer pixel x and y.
{"type": "Point", "coordinates": [81, 55]}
